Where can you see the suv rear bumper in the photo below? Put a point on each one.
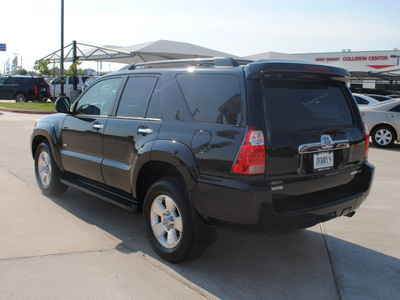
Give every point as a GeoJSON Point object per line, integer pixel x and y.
{"type": "Point", "coordinates": [264, 206]}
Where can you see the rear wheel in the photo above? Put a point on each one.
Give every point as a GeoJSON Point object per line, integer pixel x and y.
{"type": "Point", "coordinates": [383, 136]}
{"type": "Point", "coordinates": [172, 228]}
{"type": "Point", "coordinates": [20, 97]}
{"type": "Point", "coordinates": [47, 172]}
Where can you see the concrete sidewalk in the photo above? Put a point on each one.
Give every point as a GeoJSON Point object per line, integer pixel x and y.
{"type": "Point", "coordinates": [46, 253]}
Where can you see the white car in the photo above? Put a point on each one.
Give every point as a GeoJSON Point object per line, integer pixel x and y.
{"type": "Point", "coordinates": [383, 120]}
{"type": "Point", "coordinates": [363, 100]}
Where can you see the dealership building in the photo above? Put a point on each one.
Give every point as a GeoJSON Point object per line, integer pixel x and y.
{"type": "Point", "coordinates": [369, 70]}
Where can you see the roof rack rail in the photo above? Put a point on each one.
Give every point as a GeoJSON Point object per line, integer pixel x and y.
{"type": "Point", "coordinates": [216, 62]}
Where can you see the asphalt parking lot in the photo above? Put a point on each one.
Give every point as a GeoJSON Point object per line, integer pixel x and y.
{"type": "Point", "coordinates": [79, 247]}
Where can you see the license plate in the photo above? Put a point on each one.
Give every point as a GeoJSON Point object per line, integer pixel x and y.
{"type": "Point", "coordinates": [43, 89]}
{"type": "Point", "coordinates": [323, 161]}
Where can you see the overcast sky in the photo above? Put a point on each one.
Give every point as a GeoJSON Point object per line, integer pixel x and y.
{"type": "Point", "coordinates": [32, 28]}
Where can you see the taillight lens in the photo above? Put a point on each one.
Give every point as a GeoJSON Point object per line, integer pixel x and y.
{"type": "Point", "coordinates": [251, 156]}
{"type": "Point", "coordinates": [366, 141]}
{"type": "Point", "coordinates": [36, 89]}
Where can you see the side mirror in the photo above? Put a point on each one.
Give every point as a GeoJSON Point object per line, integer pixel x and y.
{"type": "Point", "coordinates": [63, 105]}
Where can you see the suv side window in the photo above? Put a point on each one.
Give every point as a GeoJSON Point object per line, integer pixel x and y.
{"type": "Point", "coordinates": [135, 97]}
{"type": "Point", "coordinates": [99, 98]}
{"type": "Point", "coordinates": [154, 109]}
{"type": "Point", "coordinates": [10, 80]}
{"type": "Point", "coordinates": [212, 98]}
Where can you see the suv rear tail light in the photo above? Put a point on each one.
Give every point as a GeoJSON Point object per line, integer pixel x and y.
{"type": "Point", "coordinates": [366, 140]}
{"type": "Point", "coordinates": [251, 156]}
{"type": "Point", "coordinates": [36, 89]}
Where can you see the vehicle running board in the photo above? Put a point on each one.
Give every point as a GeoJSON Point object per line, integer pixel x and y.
{"type": "Point", "coordinates": [115, 198]}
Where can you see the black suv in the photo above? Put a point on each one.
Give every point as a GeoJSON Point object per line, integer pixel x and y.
{"type": "Point", "coordinates": [24, 88]}
{"type": "Point", "coordinates": [266, 145]}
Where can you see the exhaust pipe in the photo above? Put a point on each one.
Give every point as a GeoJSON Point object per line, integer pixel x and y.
{"type": "Point", "coordinates": [350, 214]}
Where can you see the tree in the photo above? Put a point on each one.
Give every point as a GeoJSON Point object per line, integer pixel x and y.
{"type": "Point", "coordinates": [42, 66]}
{"type": "Point", "coordinates": [73, 69]}
{"type": "Point", "coordinates": [22, 72]}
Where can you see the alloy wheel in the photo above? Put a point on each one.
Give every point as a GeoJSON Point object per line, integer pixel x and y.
{"type": "Point", "coordinates": [44, 169]}
{"type": "Point", "coordinates": [166, 221]}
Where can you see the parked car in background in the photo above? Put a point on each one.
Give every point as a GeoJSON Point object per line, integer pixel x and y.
{"type": "Point", "coordinates": [204, 142]}
{"type": "Point", "coordinates": [24, 88]}
{"type": "Point", "coordinates": [380, 98]}
{"type": "Point", "coordinates": [364, 100]}
{"type": "Point", "coordinates": [383, 120]}
{"type": "Point", "coordinates": [89, 82]}
{"type": "Point", "coordinates": [55, 85]}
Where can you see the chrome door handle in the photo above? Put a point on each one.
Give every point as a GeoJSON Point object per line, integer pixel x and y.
{"type": "Point", "coordinates": [143, 130]}
{"type": "Point", "coordinates": [97, 126]}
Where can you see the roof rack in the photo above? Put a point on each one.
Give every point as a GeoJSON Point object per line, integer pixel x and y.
{"type": "Point", "coordinates": [216, 62]}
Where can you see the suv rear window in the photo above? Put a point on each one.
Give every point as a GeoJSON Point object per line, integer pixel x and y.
{"type": "Point", "coordinates": [212, 98]}
{"type": "Point", "coordinates": [299, 104]}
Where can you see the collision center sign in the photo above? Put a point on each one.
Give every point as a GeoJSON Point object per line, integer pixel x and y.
{"type": "Point", "coordinates": [356, 60]}
{"type": "Point", "coordinates": [362, 58]}
{"type": "Point", "coordinates": [2, 47]}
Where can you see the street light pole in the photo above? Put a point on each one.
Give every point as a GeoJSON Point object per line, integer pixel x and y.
{"type": "Point", "coordinates": [62, 48]}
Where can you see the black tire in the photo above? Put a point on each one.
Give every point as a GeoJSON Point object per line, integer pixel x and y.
{"type": "Point", "coordinates": [383, 136]}
{"type": "Point", "coordinates": [177, 241]}
{"type": "Point", "coordinates": [20, 97]}
{"type": "Point", "coordinates": [47, 172]}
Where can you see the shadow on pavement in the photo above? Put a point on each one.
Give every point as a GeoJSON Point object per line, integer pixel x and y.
{"type": "Point", "coordinates": [254, 266]}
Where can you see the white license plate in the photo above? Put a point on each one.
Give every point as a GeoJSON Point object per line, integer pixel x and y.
{"type": "Point", "coordinates": [43, 89]}
{"type": "Point", "coordinates": [323, 161]}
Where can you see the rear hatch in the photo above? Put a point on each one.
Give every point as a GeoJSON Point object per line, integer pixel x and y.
{"type": "Point", "coordinates": [315, 142]}
{"type": "Point", "coordinates": [43, 88]}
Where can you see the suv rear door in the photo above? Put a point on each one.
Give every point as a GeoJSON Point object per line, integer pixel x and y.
{"type": "Point", "coordinates": [43, 88]}
{"type": "Point", "coordinates": [135, 124]}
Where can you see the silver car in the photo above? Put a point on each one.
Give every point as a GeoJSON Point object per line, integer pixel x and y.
{"type": "Point", "coordinates": [383, 120]}
{"type": "Point", "coordinates": [364, 100]}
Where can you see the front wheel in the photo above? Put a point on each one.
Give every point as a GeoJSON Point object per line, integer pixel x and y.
{"type": "Point", "coordinates": [383, 137]}
{"type": "Point", "coordinates": [172, 228]}
{"type": "Point", "coordinates": [47, 172]}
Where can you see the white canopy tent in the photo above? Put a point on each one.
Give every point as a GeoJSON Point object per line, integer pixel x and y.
{"type": "Point", "coordinates": [152, 51]}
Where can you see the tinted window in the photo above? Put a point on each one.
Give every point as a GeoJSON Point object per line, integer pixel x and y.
{"type": "Point", "coordinates": [10, 80]}
{"type": "Point", "coordinates": [305, 104]}
{"type": "Point", "coordinates": [212, 98]}
{"type": "Point", "coordinates": [58, 80]}
{"type": "Point", "coordinates": [99, 98]}
{"type": "Point", "coordinates": [154, 110]}
{"type": "Point", "coordinates": [396, 108]}
{"type": "Point", "coordinates": [135, 97]}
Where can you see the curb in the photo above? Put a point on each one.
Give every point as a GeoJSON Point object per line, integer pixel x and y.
{"type": "Point", "coordinates": [32, 112]}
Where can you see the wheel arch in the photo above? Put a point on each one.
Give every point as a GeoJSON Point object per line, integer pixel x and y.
{"type": "Point", "coordinates": [46, 133]}
{"type": "Point", "coordinates": [167, 159]}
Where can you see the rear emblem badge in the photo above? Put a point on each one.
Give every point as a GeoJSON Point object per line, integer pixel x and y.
{"type": "Point", "coordinates": [326, 140]}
